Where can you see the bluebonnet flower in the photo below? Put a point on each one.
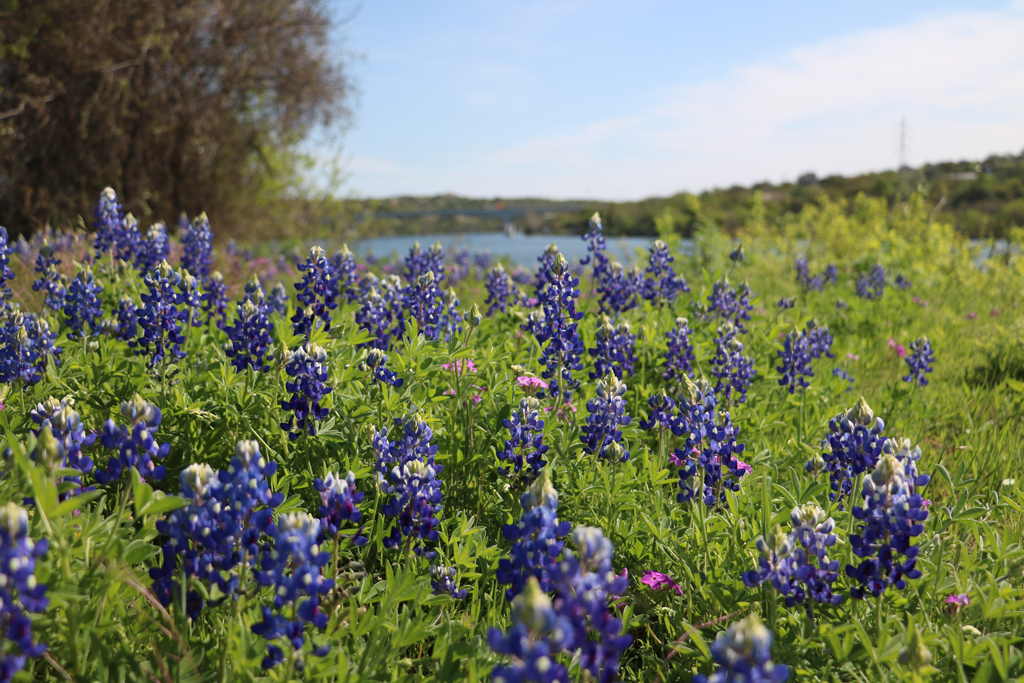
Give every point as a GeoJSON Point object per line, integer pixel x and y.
{"type": "Point", "coordinates": [524, 449]}
{"type": "Point", "coordinates": [377, 315]}
{"type": "Point", "coordinates": [816, 282]}
{"type": "Point", "coordinates": [20, 592]}
{"type": "Point", "coordinates": [796, 361]}
{"type": "Point", "coordinates": [521, 276]}
{"type": "Point", "coordinates": [133, 442]}
{"type": "Point", "coordinates": [562, 344]}
{"type": "Point", "coordinates": [536, 539]}
{"type": "Point", "coordinates": [26, 346]}
{"type": "Point", "coordinates": [190, 299]}
{"type": "Point", "coordinates": [892, 516]}
{"type": "Point", "coordinates": [198, 248]}
{"type": "Point", "coordinates": [621, 290]}
{"type": "Point", "coordinates": [419, 262]}
{"type": "Point", "coordinates": [542, 278]}
{"type": "Point", "coordinates": [601, 434]}
{"type": "Point", "coordinates": [786, 303]}
{"type": "Point", "coordinates": [316, 294]}
{"type": "Point", "coordinates": [729, 303]}
{"type": "Point", "coordinates": [153, 249]}
{"type": "Point", "coordinates": [158, 316]}
{"type": "Point", "coordinates": [413, 484]}
{"type": "Point", "coordinates": [614, 350]}
{"type": "Point", "coordinates": [679, 357]}
{"type": "Point", "coordinates": [344, 275]}
{"type": "Point", "coordinates": [6, 274]}
{"type": "Point", "coordinates": [583, 583]}
{"type": "Point", "coordinates": [737, 255]}
{"type": "Point", "coordinates": [797, 564]}
{"type": "Point", "coordinates": [291, 562]}
{"type": "Point", "coordinates": [49, 280]}
{"type": "Point", "coordinates": [278, 298]}
{"type": "Point", "coordinates": [109, 223]}
{"type": "Point", "coordinates": [841, 373]}
{"type": "Point", "coordinates": [536, 636]}
{"type": "Point", "coordinates": [852, 447]}
{"type": "Point", "coordinates": [251, 336]}
{"type": "Point", "coordinates": [219, 529]}
{"type": "Point", "coordinates": [422, 300]}
{"type": "Point", "coordinates": [733, 370]}
{"type": "Point", "coordinates": [215, 300]}
{"type": "Point", "coordinates": [65, 425]}
{"type": "Point", "coordinates": [920, 360]}
{"type": "Point", "coordinates": [376, 363]}
{"type": "Point", "coordinates": [872, 285]}
{"type": "Point", "coordinates": [708, 461]}
{"type": "Point", "coordinates": [450, 320]}
{"type": "Point", "coordinates": [901, 282]}
{"type": "Point", "coordinates": [127, 319]}
{"type": "Point", "coordinates": [82, 305]}
{"type": "Point", "coordinates": [841, 305]}
{"type": "Point", "coordinates": [661, 415]}
{"type": "Point", "coordinates": [743, 655]}
{"type": "Point", "coordinates": [443, 580]}
{"type": "Point", "coordinates": [307, 372]}
{"type": "Point", "coordinates": [596, 246]}
{"type": "Point", "coordinates": [501, 291]}
{"type": "Point", "coordinates": [339, 506]}
{"type": "Point", "coordinates": [662, 284]}
{"type": "Point", "coordinates": [482, 260]}
{"type": "Point", "coordinates": [460, 267]}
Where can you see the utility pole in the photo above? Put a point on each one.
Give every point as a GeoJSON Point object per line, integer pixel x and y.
{"type": "Point", "coordinates": [903, 142]}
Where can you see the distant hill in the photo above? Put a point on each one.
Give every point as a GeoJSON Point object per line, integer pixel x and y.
{"type": "Point", "coordinates": [980, 198]}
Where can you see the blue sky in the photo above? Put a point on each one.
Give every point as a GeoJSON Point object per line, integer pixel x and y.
{"type": "Point", "coordinates": [621, 100]}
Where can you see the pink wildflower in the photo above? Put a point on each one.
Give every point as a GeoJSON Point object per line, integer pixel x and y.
{"type": "Point", "coordinates": [460, 367]}
{"type": "Point", "coordinates": [971, 315]}
{"type": "Point", "coordinates": [531, 385]}
{"type": "Point", "coordinates": [919, 302]}
{"type": "Point", "coordinates": [954, 602]}
{"type": "Point", "coordinates": [994, 312]}
{"type": "Point", "coordinates": [657, 581]}
{"type": "Point", "coordinates": [900, 351]}
{"type": "Point", "coordinates": [744, 467]}
{"type": "Point", "coordinates": [852, 356]}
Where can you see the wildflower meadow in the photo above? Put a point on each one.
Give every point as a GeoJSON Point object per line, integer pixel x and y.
{"type": "Point", "coordinates": [791, 454]}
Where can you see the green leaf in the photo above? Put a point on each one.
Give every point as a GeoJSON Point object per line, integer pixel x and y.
{"type": "Point", "coordinates": [76, 503]}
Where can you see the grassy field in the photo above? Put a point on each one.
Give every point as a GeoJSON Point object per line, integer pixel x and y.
{"type": "Point", "coordinates": [343, 596]}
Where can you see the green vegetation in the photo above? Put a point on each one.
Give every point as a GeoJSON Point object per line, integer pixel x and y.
{"type": "Point", "coordinates": [107, 619]}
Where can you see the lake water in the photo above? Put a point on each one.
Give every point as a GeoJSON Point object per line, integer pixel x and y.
{"type": "Point", "coordinates": [521, 249]}
{"type": "Point", "coordinates": [524, 249]}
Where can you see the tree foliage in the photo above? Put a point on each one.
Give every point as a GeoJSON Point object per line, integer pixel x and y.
{"type": "Point", "coordinates": [182, 105]}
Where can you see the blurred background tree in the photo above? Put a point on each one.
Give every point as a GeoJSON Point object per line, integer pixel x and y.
{"type": "Point", "coordinates": [180, 105]}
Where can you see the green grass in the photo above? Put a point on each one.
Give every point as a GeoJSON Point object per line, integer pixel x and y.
{"type": "Point", "coordinates": [104, 624]}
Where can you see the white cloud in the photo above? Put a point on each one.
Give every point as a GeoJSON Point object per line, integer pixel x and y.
{"type": "Point", "coordinates": [830, 107]}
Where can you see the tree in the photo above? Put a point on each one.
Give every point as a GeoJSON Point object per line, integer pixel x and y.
{"type": "Point", "coordinates": [180, 105]}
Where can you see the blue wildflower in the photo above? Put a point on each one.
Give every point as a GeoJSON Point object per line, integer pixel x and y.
{"type": "Point", "coordinates": [376, 363]}
{"type": "Point", "coordinates": [679, 358]}
{"type": "Point", "coordinates": [443, 581]}
{"type": "Point", "coordinates": [562, 344]}
{"type": "Point", "coordinates": [49, 281]}
{"type": "Point", "coordinates": [316, 294]}
{"type": "Point", "coordinates": [662, 285]}
{"type": "Point", "coordinates": [614, 350]}
{"type": "Point", "coordinates": [542, 278]}
{"type": "Point", "coordinates": [743, 655]}
{"type": "Point", "coordinates": [215, 300]}
{"type": "Point", "coordinates": [413, 484]}
{"type": "Point", "coordinates": [734, 371]}
{"type": "Point", "coordinates": [344, 275]}
{"type": "Point", "coordinates": [872, 285]}
{"type": "Point", "coordinates": [153, 249]}
{"type": "Point", "coordinates": [524, 449]}
{"type": "Point", "coordinates": [340, 507]}
{"type": "Point", "coordinates": [892, 516]}
{"type": "Point", "coordinates": [852, 447]}
{"type": "Point", "coordinates": [198, 247]}
{"type": "Point", "coordinates": [601, 434]}
{"type": "Point", "coordinates": [423, 302]}
{"type": "Point", "coordinates": [920, 360]}
{"type": "Point", "coordinates": [306, 368]}
{"type": "Point", "coordinates": [251, 336]}
{"type": "Point", "coordinates": [501, 291]}
{"type": "Point", "coordinates": [278, 298]}
{"type": "Point", "coordinates": [133, 442]}
{"type": "Point", "coordinates": [20, 591]}
{"type": "Point", "coordinates": [82, 305]}
{"type": "Point", "coordinates": [158, 316]}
